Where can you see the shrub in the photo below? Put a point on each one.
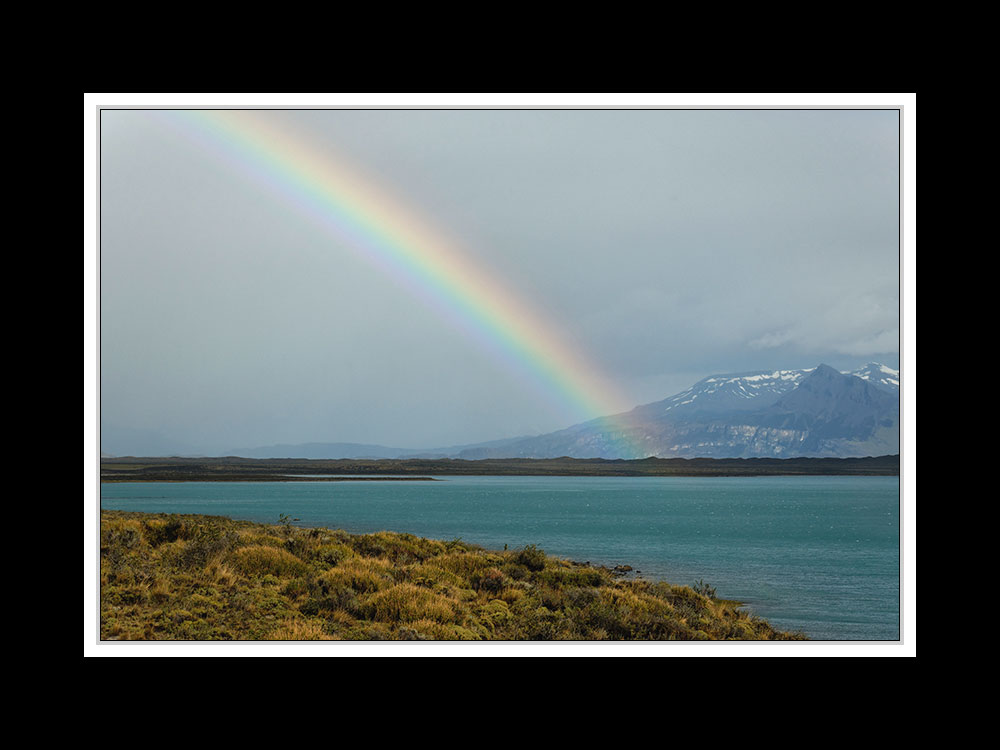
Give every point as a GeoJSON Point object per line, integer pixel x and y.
{"type": "Point", "coordinates": [559, 577]}
{"type": "Point", "coordinates": [536, 623]}
{"type": "Point", "coordinates": [401, 549]}
{"type": "Point", "coordinates": [297, 587]}
{"type": "Point", "coordinates": [530, 557]}
{"type": "Point", "coordinates": [361, 574]}
{"type": "Point", "coordinates": [332, 553]}
{"type": "Point", "coordinates": [405, 602]}
{"type": "Point", "coordinates": [205, 542]}
{"type": "Point", "coordinates": [516, 571]}
{"type": "Point", "coordinates": [495, 616]}
{"type": "Point", "coordinates": [331, 599]}
{"type": "Point", "coordinates": [578, 598]}
{"type": "Point", "coordinates": [432, 575]}
{"type": "Point", "coordinates": [491, 581]}
{"type": "Point", "coordinates": [119, 544]}
{"type": "Point", "coordinates": [464, 564]}
{"type": "Point", "coordinates": [158, 531]}
{"type": "Point", "coordinates": [704, 589]}
{"type": "Point", "coordinates": [261, 561]}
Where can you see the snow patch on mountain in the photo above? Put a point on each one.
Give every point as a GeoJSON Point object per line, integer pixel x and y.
{"type": "Point", "coordinates": [878, 375]}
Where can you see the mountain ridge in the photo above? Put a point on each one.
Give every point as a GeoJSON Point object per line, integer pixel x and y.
{"type": "Point", "coordinates": [734, 415]}
{"type": "Point", "coordinates": [808, 412]}
{"type": "Point", "coordinates": [815, 412]}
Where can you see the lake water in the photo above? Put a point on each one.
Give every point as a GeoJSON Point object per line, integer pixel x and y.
{"type": "Point", "coordinates": [817, 554]}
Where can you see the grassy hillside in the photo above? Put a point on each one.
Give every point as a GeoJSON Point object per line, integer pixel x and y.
{"type": "Point", "coordinates": [170, 577]}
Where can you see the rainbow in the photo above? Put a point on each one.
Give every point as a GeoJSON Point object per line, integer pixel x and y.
{"type": "Point", "coordinates": [387, 233]}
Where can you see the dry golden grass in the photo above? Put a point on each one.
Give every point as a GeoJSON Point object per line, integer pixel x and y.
{"type": "Point", "coordinates": [405, 602]}
{"type": "Point", "coordinates": [260, 560]}
{"type": "Point", "coordinates": [209, 578]}
{"type": "Point", "coordinates": [362, 574]}
{"type": "Point", "coordinates": [300, 630]}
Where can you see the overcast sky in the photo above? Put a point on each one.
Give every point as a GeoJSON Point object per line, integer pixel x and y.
{"type": "Point", "coordinates": [667, 245]}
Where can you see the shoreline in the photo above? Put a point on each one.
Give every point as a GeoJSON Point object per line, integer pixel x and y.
{"type": "Point", "coordinates": [236, 469]}
{"type": "Point", "coordinates": [121, 478]}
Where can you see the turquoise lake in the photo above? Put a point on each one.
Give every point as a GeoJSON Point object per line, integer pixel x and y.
{"type": "Point", "coordinates": [817, 554]}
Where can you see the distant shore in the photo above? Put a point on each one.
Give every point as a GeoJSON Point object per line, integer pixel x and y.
{"type": "Point", "coordinates": [209, 476]}
{"type": "Point", "coordinates": [235, 469]}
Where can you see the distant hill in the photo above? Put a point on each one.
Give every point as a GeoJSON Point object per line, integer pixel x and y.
{"type": "Point", "coordinates": [123, 441]}
{"type": "Point", "coordinates": [358, 450]}
{"type": "Point", "coordinates": [321, 450]}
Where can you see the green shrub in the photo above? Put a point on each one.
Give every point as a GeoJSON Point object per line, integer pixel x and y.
{"type": "Point", "coordinates": [704, 589]}
{"type": "Point", "coordinates": [530, 557]}
{"type": "Point", "coordinates": [559, 577]}
{"type": "Point", "coordinates": [332, 553]}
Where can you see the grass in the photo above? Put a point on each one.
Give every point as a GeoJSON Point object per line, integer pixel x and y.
{"type": "Point", "coordinates": [171, 577]}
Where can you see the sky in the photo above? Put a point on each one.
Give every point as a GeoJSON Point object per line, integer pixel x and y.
{"type": "Point", "coordinates": [436, 277]}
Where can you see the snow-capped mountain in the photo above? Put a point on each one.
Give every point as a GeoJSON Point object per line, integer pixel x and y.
{"type": "Point", "coordinates": [745, 391]}
{"type": "Point", "coordinates": [749, 391]}
{"type": "Point", "coordinates": [816, 411]}
{"type": "Point", "coordinates": [777, 413]}
{"type": "Point", "coordinates": [880, 375]}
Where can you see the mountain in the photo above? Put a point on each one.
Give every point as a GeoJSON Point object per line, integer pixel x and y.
{"type": "Point", "coordinates": [779, 413]}
{"type": "Point", "coordinates": [833, 414]}
{"type": "Point", "coordinates": [725, 394]}
{"type": "Point", "coordinates": [766, 413]}
{"type": "Point", "coordinates": [879, 375]}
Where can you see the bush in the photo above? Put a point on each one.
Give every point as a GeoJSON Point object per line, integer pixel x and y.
{"type": "Point", "coordinates": [205, 542]}
{"type": "Point", "coordinates": [158, 531]}
{"type": "Point", "coordinates": [408, 603]}
{"type": "Point", "coordinates": [361, 574]}
{"type": "Point", "coordinates": [491, 581]}
{"type": "Point", "coordinates": [560, 577]}
{"type": "Point", "coordinates": [464, 564]}
{"type": "Point", "coordinates": [704, 589]}
{"type": "Point", "coordinates": [530, 557]}
{"type": "Point", "coordinates": [335, 599]}
{"type": "Point", "coordinates": [261, 561]}
{"type": "Point", "coordinates": [332, 553]}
